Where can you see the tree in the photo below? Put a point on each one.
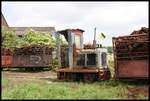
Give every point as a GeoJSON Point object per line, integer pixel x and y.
{"type": "Point", "coordinates": [33, 37]}
{"type": "Point", "coordinates": [109, 48]}
{"type": "Point", "coordinates": [9, 38]}
{"type": "Point", "coordinates": [63, 42]}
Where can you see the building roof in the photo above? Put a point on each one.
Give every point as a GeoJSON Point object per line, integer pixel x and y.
{"type": "Point", "coordinates": [22, 30]}
{"type": "Point", "coordinates": [4, 22]}
{"type": "Point", "coordinates": [62, 31]}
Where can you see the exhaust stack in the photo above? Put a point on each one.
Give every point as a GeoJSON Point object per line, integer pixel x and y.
{"type": "Point", "coordinates": [94, 41]}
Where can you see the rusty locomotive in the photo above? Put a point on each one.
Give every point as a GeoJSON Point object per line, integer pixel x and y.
{"type": "Point", "coordinates": [79, 64]}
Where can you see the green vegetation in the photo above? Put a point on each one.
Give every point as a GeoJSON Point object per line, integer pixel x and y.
{"type": "Point", "coordinates": [66, 90]}
{"type": "Point", "coordinates": [10, 39]}
{"type": "Point", "coordinates": [111, 66]}
{"type": "Point", "coordinates": [6, 81]}
{"type": "Point", "coordinates": [141, 96]}
{"type": "Point", "coordinates": [109, 48]}
{"type": "Point", "coordinates": [56, 65]}
{"type": "Point", "coordinates": [37, 38]}
{"type": "Point", "coordinates": [62, 90]}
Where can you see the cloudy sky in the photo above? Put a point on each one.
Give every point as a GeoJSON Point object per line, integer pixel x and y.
{"type": "Point", "coordinates": [111, 18]}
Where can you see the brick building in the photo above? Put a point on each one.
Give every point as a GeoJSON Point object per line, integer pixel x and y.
{"type": "Point", "coordinates": [20, 31]}
{"type": "Point", "coordinates": [3, 21]}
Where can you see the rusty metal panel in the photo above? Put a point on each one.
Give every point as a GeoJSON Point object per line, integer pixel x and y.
{"type": "Point", "coordinates": [64, 57]}
{"type": "Point", "coordinates": [32, 60]}
{"type": "Point", "coordinates": [6, 60]}
{"type": "Point", "coordinates": [30, 56]}
{"type": "Point", "coordinates": [3, 60]}
{"type": "Point", "coordinates": [134, 69]}
{"type": "Point", "coordinates": [131, 55]}
{"type": "Point", "coordinates": [36, 60]}
{"type": "Point", "coordinates": [81, 71]}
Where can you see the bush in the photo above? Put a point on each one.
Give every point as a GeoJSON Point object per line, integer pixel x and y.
{"type": "Point", "coordinates": [109, 48]}
{"type": "Point", "coordinates": [9, 38]}
{"type": "Point", "coordinates": [32, 37]}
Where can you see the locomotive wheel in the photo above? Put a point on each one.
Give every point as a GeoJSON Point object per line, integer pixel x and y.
{"type": "Point", "coordinates": [88, 78]}
{"type": "Point", "coordinates": [105, 76]}
{"type": "Point", "coordinates": [28, 69]}
{"type": "Point", "coordinates": [58, 76]}
{"type": "Point", "coordinates": [72, 77]}
{"type": "Point", "coordinates": [108, 75]}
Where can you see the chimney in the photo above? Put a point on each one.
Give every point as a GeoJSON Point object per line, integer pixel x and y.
{"type": "Point", "coordinates": [94, 41]}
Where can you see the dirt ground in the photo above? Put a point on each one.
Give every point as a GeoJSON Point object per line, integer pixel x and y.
{"type": "Point", "coordinates": [38, 77]}
{"type": "Point", "coordinates": [45, 74]}
{"type": "Point", "coordinates": [136, 91]}
{"type": "Point", "coordinates": [26, 77]}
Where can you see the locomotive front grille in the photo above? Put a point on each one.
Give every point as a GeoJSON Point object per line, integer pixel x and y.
{"type": "Point", "coordinates": [81, 60]}
{"type": "Point", "coordinates": [104, 62]}
{"type": "Point", "coordinates": [91, 59]}
{"type": "Point", "coordinates": [86, 60]}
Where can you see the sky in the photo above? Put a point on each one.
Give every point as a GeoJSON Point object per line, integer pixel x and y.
{"type": "Point", "coordinates": [113, 19]}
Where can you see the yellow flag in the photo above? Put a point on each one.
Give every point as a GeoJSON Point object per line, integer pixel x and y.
{"type": "Point", "coordinates": [102, 36]}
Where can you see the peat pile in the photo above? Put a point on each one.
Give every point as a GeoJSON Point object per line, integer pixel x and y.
{"type": "Point", "coordinates": [33, 50]}
{"type": "Point", "coordinates": [133, 46]}
{"type": "Point", "coordinates": [6, 51]}
{"type": "Point", "coordinates": [143, 30]}
{"type": "Point", "coordinates": [88, 46]}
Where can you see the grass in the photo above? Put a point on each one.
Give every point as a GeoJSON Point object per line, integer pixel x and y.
{"type": "Point", "coordinates": [141, 96]}
{"type": "Point", "coordinates": [6, 81]}
{"type": "Point", "coordinates": [22, 70]}
{"type": "Point", "coordinates": [111, 66]}
{"type": "Point", "coordinates": [62, 90]}
{"type": "Point", "coordinates": [66, 90]}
